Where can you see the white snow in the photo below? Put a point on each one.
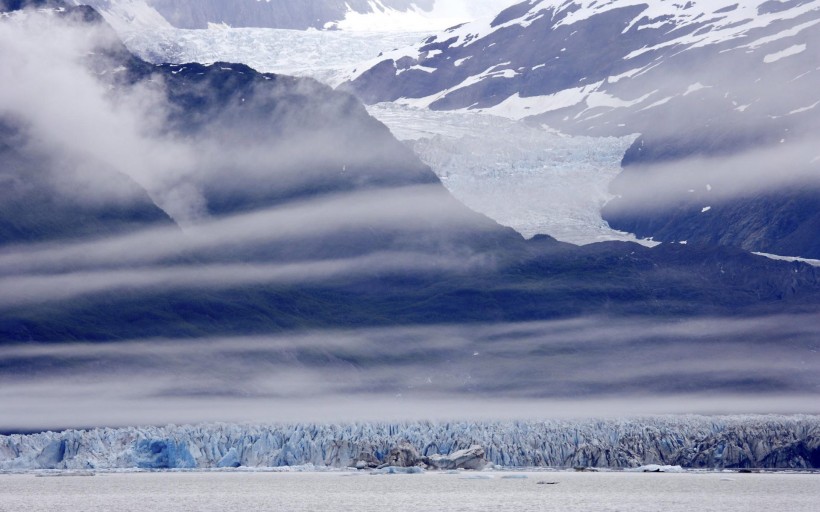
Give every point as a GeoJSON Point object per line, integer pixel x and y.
{"type": "Point", "coordinates": [391, 20]}
{"type": "Point", "coordinates": [805, 109]}
{"type": "Point", "coordinates": [782, 35]}
{"type": "Point", "coordinates": [603, 99]}
{"type": "Point", "coordinates": [517, 107]}
{"type": "Point", "coordinates": [814, 263]}
{"type": "Point", "coordinates": [417, 68]}
{"type": "Point", "coordinates": [788, 52]}
{"type": "Point", "coordinates": [444, 14]}
{"type": "Point", "coordinates": [697, 86]}
{"type": "Point", "coordinates": [628, 74]}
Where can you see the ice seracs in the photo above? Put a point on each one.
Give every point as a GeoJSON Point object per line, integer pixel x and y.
{"type": "Point", "coordinates": [687, 441]}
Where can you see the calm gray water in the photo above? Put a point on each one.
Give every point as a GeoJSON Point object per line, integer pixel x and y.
{"type": "Point", "coordinates": [432, 491]}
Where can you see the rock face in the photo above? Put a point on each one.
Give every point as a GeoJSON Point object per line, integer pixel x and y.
{"type": "Point", "coordinates": [691, 442]}
{"type": "Point", "coordinates": [260, 143]}
{"type": "Point", "coordinates": [404, 455]}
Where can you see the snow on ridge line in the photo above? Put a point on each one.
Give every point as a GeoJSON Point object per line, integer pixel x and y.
{"type": "Point", "coordinates": [689, 441]}
{"type": "Point", "coordinates": [728, 15]}
{"type": "Point", "coordinates": [444, 14]}
{"type": "Point", "coordinates": [726, 20]}
{"type": "Point", "coordinates": [813, 263]}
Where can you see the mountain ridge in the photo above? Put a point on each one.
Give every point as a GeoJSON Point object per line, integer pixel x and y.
{"type": "Point", "coordinates": [310, 246]}
{"type": "Point", "coordinates": [705, 83]}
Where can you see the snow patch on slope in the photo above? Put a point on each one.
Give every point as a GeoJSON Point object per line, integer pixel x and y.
{"type": "Point", "coordinates": [687, 26]}
{"type": "Point", "coordinates": [445, 14]}
{"type": "Point", "coordinates": [788, 52]}
{"type": "Point", "coordinates": [128, 15]}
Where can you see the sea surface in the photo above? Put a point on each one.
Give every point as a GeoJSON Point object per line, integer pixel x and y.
{"type": "Point", "coordinates": [341, 491]}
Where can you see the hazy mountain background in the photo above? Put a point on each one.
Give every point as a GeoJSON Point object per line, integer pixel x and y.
{"type": "Point", "coordinates": [190, 242]}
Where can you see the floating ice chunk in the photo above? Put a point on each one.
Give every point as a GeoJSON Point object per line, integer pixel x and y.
{"type": "Point", "coordinates": [657, 468]}
{"type": "Point", "coordinates": [395, 470]}
{"type": "Point", "coordinates": [470, 458]}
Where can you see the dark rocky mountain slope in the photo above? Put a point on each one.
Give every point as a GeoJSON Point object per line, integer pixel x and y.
{"type": "Point", "coordinates": [294, 209]}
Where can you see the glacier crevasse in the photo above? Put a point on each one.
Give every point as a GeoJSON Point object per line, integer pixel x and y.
{"type": "Point", "coordinates": [688, 441]}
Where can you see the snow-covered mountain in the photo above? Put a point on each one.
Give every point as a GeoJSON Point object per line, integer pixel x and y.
{"type": "Point", "coordinates": [373, 15]}
{"type": "Point", "coordinates": [595, 66]}
{"type": "Point", "coordinates": [786, 442]}
{"type": "Point", "coordinates": [545, 182]}
{"type": "Point", "coordinates": [225, 203]}
{"type": "Point", "coordinates": [724, 93]}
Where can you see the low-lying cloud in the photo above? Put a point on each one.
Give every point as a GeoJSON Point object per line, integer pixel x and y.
{"type": "Point", "coordinates": [73, 114]}
{"type": "Point", "coordinates": [789, 165]}
{"type": "Point", "coordinates": [580, 367]}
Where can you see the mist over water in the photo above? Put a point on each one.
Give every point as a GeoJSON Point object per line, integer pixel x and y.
{"type": "Point", "coordinates": [586, 367]}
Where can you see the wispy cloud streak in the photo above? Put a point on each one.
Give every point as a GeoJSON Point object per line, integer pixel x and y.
{"type": "Point", "coordinates": [585, 366]}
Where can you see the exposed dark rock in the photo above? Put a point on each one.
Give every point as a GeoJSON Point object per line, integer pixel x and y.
{"type": "Point", "coordinates": [404, 455]}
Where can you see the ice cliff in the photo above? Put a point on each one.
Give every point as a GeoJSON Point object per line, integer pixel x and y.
{"type": "Point", "coordinates": [688, 441]}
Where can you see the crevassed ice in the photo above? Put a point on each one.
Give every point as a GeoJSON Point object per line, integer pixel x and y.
{"type": "Point", "coordinates": [529, 178]}
{"type": "Point", "coordinates": [688, 441]}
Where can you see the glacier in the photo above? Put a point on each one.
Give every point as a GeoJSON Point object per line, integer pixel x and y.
{"type": "Point", "coordinates": [701, 442]}
{"type": "Point", "coordinates": [320, 54]}
{"type": "Point", "coordinates": [527, 177]}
